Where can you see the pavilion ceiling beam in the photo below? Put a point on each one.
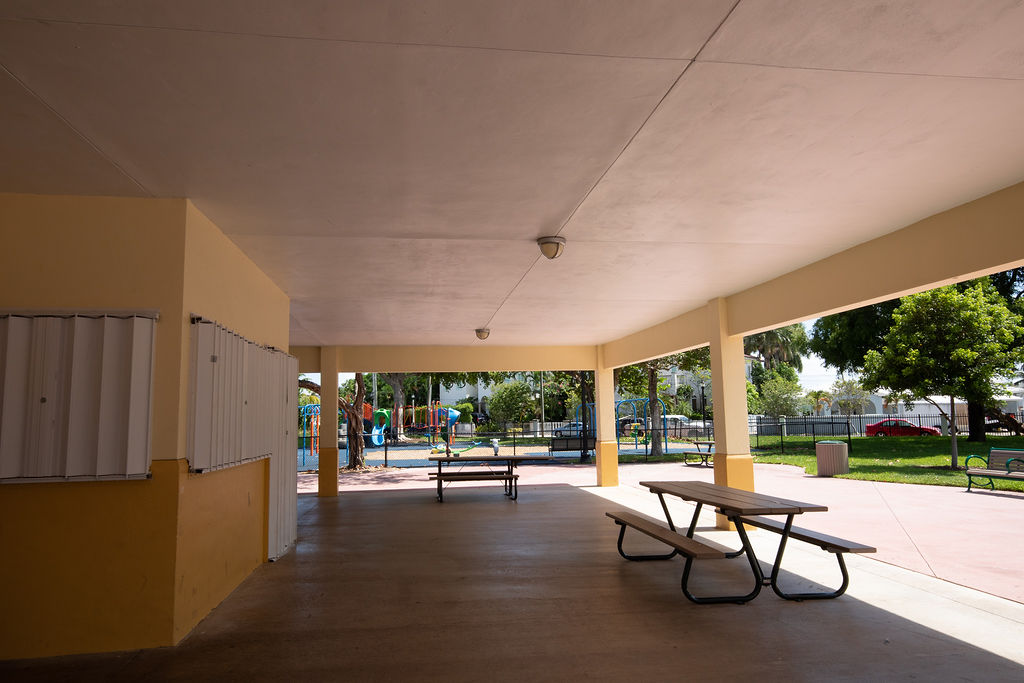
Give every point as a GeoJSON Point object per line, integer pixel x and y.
{"type": "Point", "coordinates": [479, 358]}
{"type": "Point", "coordinates": [978, 238]}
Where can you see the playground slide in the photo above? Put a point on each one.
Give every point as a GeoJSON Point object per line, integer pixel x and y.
{"type": "Point", "coordinates": [377, 435]}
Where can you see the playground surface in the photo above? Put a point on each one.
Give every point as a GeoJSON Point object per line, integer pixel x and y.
{"type": "Point", "coordinates": [970, 539]}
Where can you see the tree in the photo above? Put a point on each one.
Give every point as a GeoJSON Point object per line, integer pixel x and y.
{"type": "Point", "coordinates": [785, 345]}
{"type": "Point", "coordinates": [352, 408]}
{"type": "Point", "coordinates": [819, 400]}
{"type": "Point", "coordinates": [843, 339]}
{"type": "Point", "coordinates": [512, 402]}
{"type": "Point", "coordinates": [949, 342]}
{"type": "Point", "coordinates": [850, 395]}
{"type": "Point", "coordinates": [780, 395]}
{"type": "Point", "coordinates": [759, 373]}
{"type": "Point", "coordinates": [753, 400]}
{"type": "Point", "coordinates": [643, 378]}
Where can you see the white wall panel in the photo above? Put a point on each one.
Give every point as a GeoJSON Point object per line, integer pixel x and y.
{"type": "Point", "coordinates": [76, 395]}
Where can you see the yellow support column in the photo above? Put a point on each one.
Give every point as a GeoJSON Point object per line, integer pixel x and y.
{"type": "Point", "coordinates": [327, 481]}
{"type": "Point", "coordinates": [604, 409]}
{"type": "Point", "coordinates": [733, 464]}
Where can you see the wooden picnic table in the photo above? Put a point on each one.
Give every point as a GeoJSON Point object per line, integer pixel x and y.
{"type": "Point", "coordinates": [505, 473]}
{"type": "Point", "coordinates": [736, 504]}
{"type": "Point", "coordinates": [705, 456]}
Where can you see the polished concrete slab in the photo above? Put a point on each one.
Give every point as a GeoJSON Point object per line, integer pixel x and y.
{"type": "Point", "coordinates": [387, 584]}
{"type": "Point", "coordinates": [972, 539]}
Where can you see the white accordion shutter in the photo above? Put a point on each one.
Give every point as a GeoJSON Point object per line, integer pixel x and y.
{"type": "Point", "coordinates": [283, 526]}
{"type": "Point", "coordinates": [76, 395]}
{"type": "Point", "coordinates": [243, 408]}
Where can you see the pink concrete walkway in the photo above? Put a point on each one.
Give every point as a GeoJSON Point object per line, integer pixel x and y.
{"type": "Point", "coordinates": [972, 539]}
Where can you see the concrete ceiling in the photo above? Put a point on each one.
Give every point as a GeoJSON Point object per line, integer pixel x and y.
{"type": "Point", "coordinates": [414, 150]}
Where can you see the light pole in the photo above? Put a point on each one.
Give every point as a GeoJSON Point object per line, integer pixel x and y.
{"type": "Point", "coordinates": [542, 416]}
{"type": "Point", "coordinates": [703, 414]}
{"type": "Point", "coordinates": [536, 397]}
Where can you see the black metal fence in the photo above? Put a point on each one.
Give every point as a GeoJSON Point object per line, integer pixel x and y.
{"type": "Point", "coordinates": [533, 436]}
{"type": "Point", "coordinates": [771, 430]}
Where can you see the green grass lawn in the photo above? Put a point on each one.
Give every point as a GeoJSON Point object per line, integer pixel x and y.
{"type": "Point", "coordinates": [905, 459]}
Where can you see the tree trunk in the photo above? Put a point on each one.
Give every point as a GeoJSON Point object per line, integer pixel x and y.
{"type": "Point", "coordinates": [395, 381]}
{"type": "Point", "coordinates": [952, 430]}
{"type": "Point", "coordinates": [975, 421]}
{"type": "Point", "coordinates": [586, 398]}
{"type": "Point", "coordinates": [354, 413]}
{"type": "Point", "coordinates": [654, 411]}
{"type": "Point", "coordinates": [354, 433]}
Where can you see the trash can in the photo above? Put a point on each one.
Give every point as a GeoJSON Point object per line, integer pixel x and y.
{"type": "Point", "coordinates": [832, 458]}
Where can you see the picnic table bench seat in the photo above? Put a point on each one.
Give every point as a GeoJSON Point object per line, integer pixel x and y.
{"type": "Point", "coordinates": [828, 543]}
{"type": "Point", "coordinates": [510, 480]}
{"type": "Point", "coordinates": [570, 443]}
{"type": "Point", "coordinates": [681, 544]}
{"type": "Point", "coordinates": [1000, 463]}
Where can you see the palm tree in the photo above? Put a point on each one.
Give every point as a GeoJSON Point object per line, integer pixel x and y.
{"type": "Point", "coordinates": [783, 345]}
{"type": "Point", "coordinates": [819, 398]}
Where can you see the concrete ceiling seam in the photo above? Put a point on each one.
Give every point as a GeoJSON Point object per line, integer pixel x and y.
{"type": "Point", "coordinates": [75, 131]}
{"type": "Point", "coordinates": [394, 189]}
{"type": "Point", "coordinates": [868, 72]}
{"type": "Point", "coordinates": [346, 41]}
{"type": "Point", "coordinates": [626, 146]}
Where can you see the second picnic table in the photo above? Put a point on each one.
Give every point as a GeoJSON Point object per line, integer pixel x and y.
{"type": "Point", "coordinates": [505, 474]}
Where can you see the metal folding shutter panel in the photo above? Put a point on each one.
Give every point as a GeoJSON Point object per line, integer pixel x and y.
{"type": "Point", "coordinates": [243, 407]}
{"type": "Point", "coordinates": [282, 517]}
{"type": "Point", "coordinates": [76, 396]}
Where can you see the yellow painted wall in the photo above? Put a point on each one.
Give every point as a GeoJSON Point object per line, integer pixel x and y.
{"type": "Point", "coordinates": [90, 566]}
{"type": "Point", "coordinates": [87, 566]}
{"type": "Point", "coordinates": [222, 537]}
{"type": "Point", "coordinates": [222, 523]}
{"type": "Point", "coordinates": [222, 284]}
{"type": "Point", "coordinates": [102, 252]}
{"type": "Point", "coordinates": [119, 565]}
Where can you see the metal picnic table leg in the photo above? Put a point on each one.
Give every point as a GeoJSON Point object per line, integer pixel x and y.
{"type": "Point", "coordinates": [755, 568]}
{"type": "Point", "coordinates": [739, 599]}
{"type": "Point", "coordinates": [774, 581]}
{"type": "Point", "coordinates": [640, 558]}
{"type": "Point", "coordinates": [440, 495]}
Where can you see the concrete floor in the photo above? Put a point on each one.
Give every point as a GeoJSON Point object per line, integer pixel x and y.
{"type": "Point", "coordinates": [387, 584]}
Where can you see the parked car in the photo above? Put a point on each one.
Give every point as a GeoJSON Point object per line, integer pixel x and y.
{"type": "Point", "coordinates": [895, 427]}
{"type": "Point", "coordinates": [626, 425]}
{"type": "Point", "coordinates": [571, 429]}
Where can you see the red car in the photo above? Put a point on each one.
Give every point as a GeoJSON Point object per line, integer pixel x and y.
{"type": "Point", "coordinates": [893, 427]}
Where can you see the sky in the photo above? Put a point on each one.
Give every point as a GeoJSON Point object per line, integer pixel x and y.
{"type": "Point", "coordinates": [815, 375]}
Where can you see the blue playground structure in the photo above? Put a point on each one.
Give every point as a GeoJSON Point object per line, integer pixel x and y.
{"type": "Point", "coordinates": [637, 410]}
{"type": "Point", "coordinates": [381, 425]}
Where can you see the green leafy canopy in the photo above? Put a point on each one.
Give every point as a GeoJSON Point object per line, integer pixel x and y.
{"type": "Point", "coordinates": [949, 342]}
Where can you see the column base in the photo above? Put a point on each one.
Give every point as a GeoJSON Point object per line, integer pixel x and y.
{"type": "Point", "coordinates": [607, 463]}
{"type": "Point", "coordinates": [327, 480]}
{"type": "Point", "coordinates": [735, 470]}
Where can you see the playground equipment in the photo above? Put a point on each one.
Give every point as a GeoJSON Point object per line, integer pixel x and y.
{"type": "Point", "coordinates": [446, 418]}
{"type": "Point", "coordinates": [430, 419]}
{"type": "Point", "coordinates": [309, 430]}
{"type": "Point", "coordinates": [381, 424]}
{"type": "Point", "coordinates": [637, 413]}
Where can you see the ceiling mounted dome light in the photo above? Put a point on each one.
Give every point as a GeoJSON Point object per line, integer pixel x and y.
{"type": "Point", "coordinates": [483, 333]}
{"type": "Point", "coordinates": [551, 247]}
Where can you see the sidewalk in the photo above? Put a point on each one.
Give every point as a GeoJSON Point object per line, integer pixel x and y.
{"type": "Point", "coordinates": [971, 539]}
